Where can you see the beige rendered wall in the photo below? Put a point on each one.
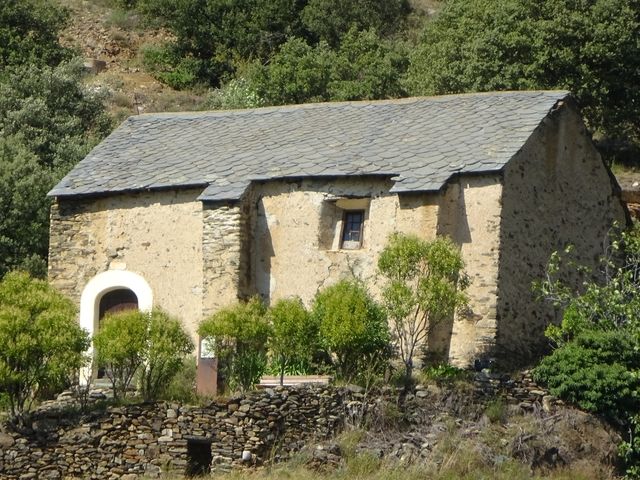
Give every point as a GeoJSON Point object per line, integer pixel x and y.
{"type": "Point", "coordinates": [157, 235]}
{"type": "Point", "coordinates": [557, 192]}
{"type": "Point", "coordinates": [295, 228]}
{"type": "Point", "coordinates": [295, 244]}
{"type": "Point", "coordinates": [470, 216]}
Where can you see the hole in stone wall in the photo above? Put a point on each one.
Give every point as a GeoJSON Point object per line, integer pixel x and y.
{"type": "Point", "coordinates": [198, 457]}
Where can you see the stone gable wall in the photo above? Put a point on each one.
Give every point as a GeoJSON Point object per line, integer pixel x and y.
{"type": "Point", "coordinates": [556, 192]}
{"type": "Point", "coordinates": [157, 235]}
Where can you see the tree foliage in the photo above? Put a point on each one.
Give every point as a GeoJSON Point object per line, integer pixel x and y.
{"type": "Point", "coordinates": [589, 47]}
{"type": "Point", "coordinates": [41, 343]}
{"type": "Point", "coordinates": [167, 346]}
{"type": "Point", "coordinates": [294, 335]}
{"type": "Point", "coordinates": [353, 328]}
{"type": "Point", "coordinates": [120, 348]}
{"type": "Point", "coordinates": [363, 67]}
{"type": "Point", "coordinates": [239, 335]}
{"type": "Point", "coordinates": [29, 32]}
{"type": "Point", "coordinates": [330, 20]}
{"type": "Point", "coordinates": [596, 363]}
{"type": "Point", "coordinates": [425, 286]}
{"type": "Point", "coordinates": [215, 38]}
{"type": "Point", "coordinates": [48, 121]}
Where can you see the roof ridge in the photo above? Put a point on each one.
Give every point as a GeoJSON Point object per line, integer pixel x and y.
{"type": "Point", "coordinates": [356, 103]}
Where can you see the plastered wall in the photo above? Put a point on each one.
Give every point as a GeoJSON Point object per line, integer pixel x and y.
{"type": "Point", "coordinates": [157, 235]}
{"type": "Point", "coordinates": [557, 191]}
{"type": "Point", "coordinates": [295, 231]}
{"type": "Point", "coordinates": [470, 216]}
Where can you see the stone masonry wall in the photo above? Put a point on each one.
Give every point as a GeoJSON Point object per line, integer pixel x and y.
{"type": "Point", "coordinates": [470, 215]}
{"type": "Point", "coordinates": [148, 440]}
{"type": "Point", "coordinates": [557, 191]}
{"type": "Point", "coordinates": [224, 254]}
{"type": "Point", "coordinates": [155, 234]}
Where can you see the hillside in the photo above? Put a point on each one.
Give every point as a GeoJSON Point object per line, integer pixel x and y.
{"type": "Point", "coordinates": [106, 33]}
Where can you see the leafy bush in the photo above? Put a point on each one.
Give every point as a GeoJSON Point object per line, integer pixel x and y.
{"type": "Point", "coordinates": [425, 284]}
{"type": "Point", "coordinates": [597, 371]}
{"type": "Point", "coordinates": [49, 121]}
{"type": "Point", "coordinates": [168, 66]}
{"type": "Point", "coordinates": [239, 336]}
{"type": "Point", "coordinates": [237, 93]}
{"type": "Point", "coordinates": [166, 347]}
{"type": "Point", "coordinates": [353, 328]}
{"type": "Point", "coordinates": [294, 336]}
{"type": "Point", "coordinates": [41, 343]}
{"type": "Point", "coordinates": [182, 387]}
{"type": "Point", "coordinates": [29, 31]}
{"type": "Point", "coordinates": [330, 20]}
{"type": "Point", "coordinates": [120, 346]}
{"type": "Point", "coordinates": [151, 344]}
{"type": "Point", "coordinates": [364, 67]}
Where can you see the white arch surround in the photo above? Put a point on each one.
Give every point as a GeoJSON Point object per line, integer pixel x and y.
{"type": "Point", "coordinates": [103, 283]}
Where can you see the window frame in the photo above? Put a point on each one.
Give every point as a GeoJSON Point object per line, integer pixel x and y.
{"type": "Point", "coordinates": [347, 244]}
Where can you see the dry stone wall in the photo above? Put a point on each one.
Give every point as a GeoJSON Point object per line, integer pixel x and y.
{"type": "Point", "coordinates": [147, 440]}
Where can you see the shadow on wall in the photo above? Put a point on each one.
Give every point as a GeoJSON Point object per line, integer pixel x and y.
{"type": "Point", "coordinates": [452, 222]}
{"type": "Point", "coordinates": [263, 253]}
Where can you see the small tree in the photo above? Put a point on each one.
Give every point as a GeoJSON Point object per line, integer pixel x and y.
{"type": "Point", "coordinates": [353, 327]}
{"type": "Point", "coordinates": [425, 285]}
{"type": "Point", "coordinates": [120, 346]}
{"type": "Point", "coordinates": [166, 347]}
{"type": "Point", "coordinates": [40, 341]}
{"type": "Point", "coordinates": [239, 337]}
{"type": "Point", "coordinates": [294, 336]}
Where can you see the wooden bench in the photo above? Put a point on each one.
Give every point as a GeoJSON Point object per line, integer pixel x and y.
{"type": "Point", "coordinates": [268, 381]}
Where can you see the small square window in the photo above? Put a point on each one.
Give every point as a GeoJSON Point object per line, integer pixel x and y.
{"type": "Point", "coordinates": [352, 223]}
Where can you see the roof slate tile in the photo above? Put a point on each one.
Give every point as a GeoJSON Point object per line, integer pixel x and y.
{"type": "Point", "coordinates": [425, 140]}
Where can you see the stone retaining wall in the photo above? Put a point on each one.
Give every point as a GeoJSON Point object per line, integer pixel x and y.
{"type": "Point", "coordinates": [129, 442]}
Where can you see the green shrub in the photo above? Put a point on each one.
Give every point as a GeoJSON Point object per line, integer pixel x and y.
{"type": "Point", "coordinates": [353, 328]}
{"type": "Point", "coordinates": [425, 283]}
{"type": "Point", "coordinates": [41, 343]}
{"type": "Point", "coordinates": [444, 373]}
{"type": "Point", "coordinates": [598, 371]}
{"type": "Point", "coordinates": [237, 93]}
{"type": "Point", "coordinates": [120, 347]}
{"type": "Point", "coordinates": [166, 347]}
{"type": "Point", "coordinates": [239, 336]}
{"type": "Point", "coordinates": [182, 387]}
{"type": "Point", "coordinates": [168, 66]}
{"type": "Point", "coordinates": [294, 336]}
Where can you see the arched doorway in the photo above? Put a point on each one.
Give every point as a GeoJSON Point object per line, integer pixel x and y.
{"type": "Point", "coordinates": [109, 292]}
{"type": "Point", "coordinates": [115, 301]}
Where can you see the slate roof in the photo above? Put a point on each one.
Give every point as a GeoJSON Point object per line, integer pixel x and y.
{"type": "Point", "coordinates": [419, 142]}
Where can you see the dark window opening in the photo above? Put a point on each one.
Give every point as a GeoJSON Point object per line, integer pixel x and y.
{"type": "Point", "coordinates": [352, 224]}
{"type": "Point", "coordinates": [113, 302]}
{"type": "Point", "coordinates": [198, 457]}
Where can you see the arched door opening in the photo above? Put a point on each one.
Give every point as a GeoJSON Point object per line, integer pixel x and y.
{"type": "Point", "coordinates": [115, 301]}
{"type": "Point", "coordinates": [108, 292]}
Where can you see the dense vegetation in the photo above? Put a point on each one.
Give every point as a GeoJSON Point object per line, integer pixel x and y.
{"type": "Point", "coordinates": [48, 122]}
{"type": "Point", "coordinates": [595, 363]}
{"type": "Point", "coordinates": [252, 53]}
